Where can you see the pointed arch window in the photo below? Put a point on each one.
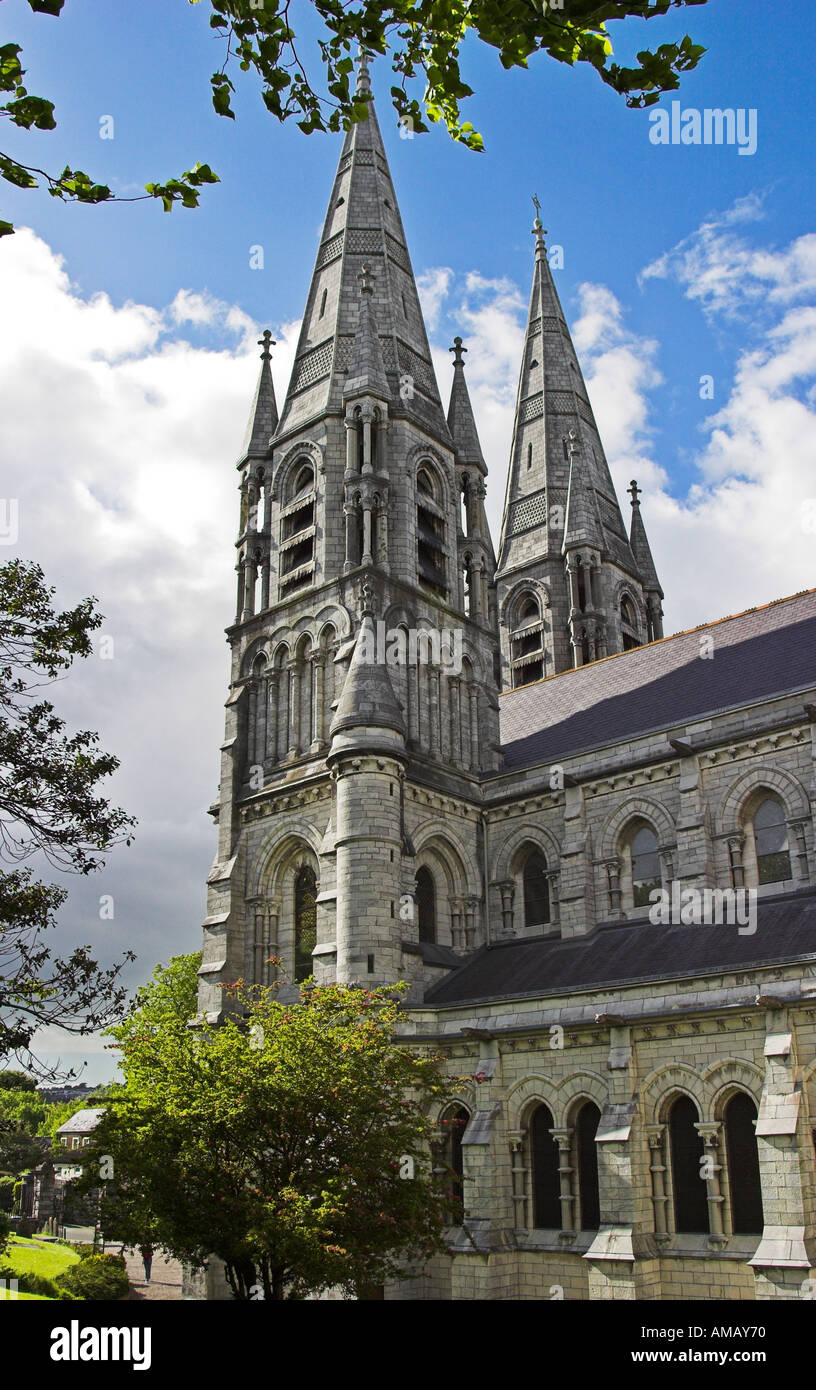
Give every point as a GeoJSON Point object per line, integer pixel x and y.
{"type": "Point", "coordinates": [586, 1127]}
{"type": "Point", "coordinates": [688, 1184]}
{"type": "Point", "coordinates": [544, 1164]}
{"type": "Point", "coordinates": [629, 624]}
{"type": "Point", "coordinates": [297, 528]}
{"type": "Point", "coordinates": [430, 532]}
{"type": "Point", "coordinates": [527, 658]}
{"type": "Point", "coordinates": [771, 841]}
{"type": "Point", "coordinates": [426, 904]}
{"type": "Point", "coordinates": [305, 921]}
{"type": "Point", "coordinates": [536, 891]}
{"type": "Point", "coordinates": [454, 1123]}
{"type": "Point", "coordinates": [739, 1121]}
{"type": "Point", "coordinates": [646, 874]}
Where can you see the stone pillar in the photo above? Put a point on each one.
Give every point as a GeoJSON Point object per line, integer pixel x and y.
{"type": "Point", "coordinates": [250, 570]}
{"type": "Point", "coordinates": [412, 681]}
{"type": "Point", "coordinates": [351, 560]}
{"type": "Point", "coordinates": [473, 694]}
{"type": "Point", "coordinates": [471, 906]}
{"type": "Point", "coordinates": [657, 1167]}
{"type": "Point", "coordinates": [352, 448]}
{"type": "Point", "coordinates": [798, 850]}
{"type": "Point", "coordinates": [563, 1138]}
{"type": "Point", "coordinates": [572, 576]}
{"type": "Point", "coordinates": [293, 667]}
{"type": "Point", "coordinates": [367, 558]}
{"type": "Point", "coordinates": [368, 466]}
{"type": "Point", "coordinates": [518, 1179]}
{"type": "Point", "coordinates": [272, 718]}
{"type": "Point", "coordinates": [454, 687]}
{"type": "Point", "coordinates": [613, 868]}
{"type": "Point", "coordinates": [709, 1132]}
{"type": "Point", "coordinates": [318, 660]}
{"type": "Point", "coordinates": [507, 890]}
{"type": "Point", "coordinates": [735, 859]}
{"type": "Point", "coordinates": [265, 582]}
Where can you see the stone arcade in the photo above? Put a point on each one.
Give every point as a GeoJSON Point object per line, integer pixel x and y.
{"type": "Point", "coordinates": [642, 1123]}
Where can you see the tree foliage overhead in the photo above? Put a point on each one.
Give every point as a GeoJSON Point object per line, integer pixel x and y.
{"type": "Point", "coordinates": [424, 39]}
{"type": "Point", "coordinates": [279, 1141]}
{"type": "Point", "coordinates": [50, 806]}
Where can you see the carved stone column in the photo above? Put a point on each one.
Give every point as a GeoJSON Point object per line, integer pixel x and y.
{"type": "Point", "coordinates": [250, 570]}
{"type": "Point", "coordinates": [563, 1138]}
{"type": "Point", "coordinates": [318, 660]}
{"type": "Point", "coordinates": [519, 1179]}
{"type": "Point", "coordinates": [798, 844]}
{"type": "Point", "coordinates": [507, 890]}
{"type": "Point", "coordinates": [293, 667]}
{"type": "Point", "coordinates": [473, 694]}
{"type": "Point", "coordinates": [456, 925]}
{"type": "Point", "coordinates": [471, 906]}
{"type": "Point", "coordinates": [352, 448]}
{"type": "Point", "coordinates": [657, 1167]}
{"type": "Point", "coordinates": [454, 688]}
{"type": "Point", "coordinates": [265, 582]}
{"type": "Point", "coordinates": [367, 558]}
{"type": "Point", "coordinates": [735, 843]}
{"type": "Point", "coordinates": [613, 871]}
{"type": "Point", "coordinates": [709, 1132]}
{"type": "Point", "coordinates": [351, 559]}
{"type": "Point", "coordinates": [272, 718]}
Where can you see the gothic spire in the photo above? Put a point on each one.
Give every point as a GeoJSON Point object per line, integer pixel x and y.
{"type": "Point", "coordinates": [582, 524]}
{"type": "Point", "coordinates": [552, 401]}
{"type": "Point", "coordinates": [461, 421]}
{"type": "Point", "coordinates": [363, 225]}
{"type": "Point", "coordinates": [263, 417]}
{"type": "Point", "coordinates": [366, 371]}
{"type": "Point", "coordinates": [640, 545]}
{"type": "Point", "coordinates": [367, 705]}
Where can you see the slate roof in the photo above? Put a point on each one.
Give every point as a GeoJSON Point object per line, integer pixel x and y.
{"type": "Point", "coordinates": [83, 1121]}
{"type": "Point", "coordinates": [756, 655]}
{"type": "Point", "coordinates": [622, 953]}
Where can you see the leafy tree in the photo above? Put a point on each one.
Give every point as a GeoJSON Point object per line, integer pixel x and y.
{"type": "Point", "coordinates": [49, 806]}
{"type": "Point", "coordinates": [424, 38]}
{"type": "Point", "coordinates": [16, 1081]}
{"type": "Point", "coordinates": [280, 1141]}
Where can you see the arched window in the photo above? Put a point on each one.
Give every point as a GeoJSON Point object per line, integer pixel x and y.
{"type": "Point", "coordinates": [536, 891]}
{"type": "Point", "coordinates": [305, 921]}
{"type": "Point", "coordinates": [430, 532]}
{"type": "Point", "coordinates": [771, 841]}
{"type": "Point", "coordinates": [454, 1123]}
{"type": "Point", "coordinates": [426, 904]}
{"type": "Point", "coordinates": [586, 1128]}
{"type": "Point", "coordinates": [629, 621]}
{"type": "Point", "coordinates": [544, 1164]}
{"type": "Point", "coordinates": [297, 530]}
{"type": "Point", "coordinates": [527, 643]}
{"type": "Point", "coordinates": [645, 865]}
{"type": "Point", "coordinates": [688, 1184]}
{"type": "Point", "coordinates": [739, 1120]}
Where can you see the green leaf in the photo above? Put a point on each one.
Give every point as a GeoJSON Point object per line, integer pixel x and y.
{"type": "Point", "coordinates": [6, 228]}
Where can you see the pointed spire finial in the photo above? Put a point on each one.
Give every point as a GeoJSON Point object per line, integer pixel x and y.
{"type": "Point", "coordinates": [538, 230]}
{"type": "Point", "coordinates": [458, 352]}
{"type": "Point", "coordinates": [366, 280]}
{"type": "Point", "coordinates": [363, 77]}
{"type": "Point", "coordinates": [267, 342]}
{"type": "Point", "coordinates": [634, 492]}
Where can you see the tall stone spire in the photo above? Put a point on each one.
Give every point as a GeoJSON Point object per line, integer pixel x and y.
{"type": "Point", "coordinates": [564, 551]}
{"type": "Point", "coordinates": [263, 417]}
{"type": "Point", "coordinates": [461, 421]}
{"type": "Point", "coordinates": [363, 226]}
{"type": "Point", "coordinates": [643, 555]}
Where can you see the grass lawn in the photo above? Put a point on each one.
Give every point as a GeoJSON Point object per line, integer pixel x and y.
{"type": "Point", "coordinates": [32, 1256]}
{"type": "Point", "coordinates": [19, 1297]}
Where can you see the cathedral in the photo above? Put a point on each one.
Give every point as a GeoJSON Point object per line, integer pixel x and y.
{"type": "Point", "coordinates": [586, 846]}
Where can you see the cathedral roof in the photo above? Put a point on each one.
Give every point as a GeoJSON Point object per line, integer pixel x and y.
{"type": "Point", "coordinates": [617, 954]}
{"type": "Point", "coordinates": [363, 226]}
{"type": "Point", "coordinates": [753, 656]}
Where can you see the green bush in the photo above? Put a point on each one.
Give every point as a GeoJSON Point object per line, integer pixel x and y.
{"type": "Point", "coordinates": [5, 1231]}
{"type": "Point", "coordinates": [100, 1278]}
{"type": "Point", "coordinates": [7, 1185]}
{"type": "Point", "coordinates": [32, 1283]}
{"type": "Point", "coordinates": [82, 1247]}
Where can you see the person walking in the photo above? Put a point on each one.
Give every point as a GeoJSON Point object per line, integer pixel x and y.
{"type": "Point", "coordinates": [146, 1252]}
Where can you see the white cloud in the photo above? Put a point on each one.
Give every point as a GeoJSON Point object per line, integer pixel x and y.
{"type": "Point", "coordinates": [432, 287]}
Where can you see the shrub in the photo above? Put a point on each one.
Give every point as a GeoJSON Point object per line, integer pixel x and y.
{"type": "Point", "coordinates": [7, 1186]}
{"type": "Point", "coordinates": [27, 1282]}
{"type": "Point", "coordinates": [100, 1278]}
{"type": "Point", "coordinates": [5, 1231]}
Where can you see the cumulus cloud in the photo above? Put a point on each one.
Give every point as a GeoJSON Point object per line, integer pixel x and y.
{"type": "Point", "coordinates": [118, 438]}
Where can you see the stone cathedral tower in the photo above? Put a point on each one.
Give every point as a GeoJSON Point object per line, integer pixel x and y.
{"type": "Point", "coordinates": [362, 536]}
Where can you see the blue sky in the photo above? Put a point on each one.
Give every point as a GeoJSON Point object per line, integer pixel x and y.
{"type": "Point", "coordinates": [130, 364]}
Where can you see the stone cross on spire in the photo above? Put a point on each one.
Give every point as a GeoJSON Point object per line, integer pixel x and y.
{"type": "Point", "coordinates": [458, 351]}
{"type": "Point", "coordinates": [267, 342]}
{"type": "Point", "coordinates": [539, 231]}
{"type": "Point", "coordinates": [634, 492]}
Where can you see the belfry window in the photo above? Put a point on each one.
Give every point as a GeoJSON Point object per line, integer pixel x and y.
{"type": "Point", "coordinates": [536, 891]}
{"type": "Point", "coordinates": [430, 534]}
{"type": "Point", "coordinates": [771, 841]}
{"type": "Point", "coordinates": [527, 657]}
{"type": "Point", "coordinates": [305, 921]}
{"type": "Point", "coordinates": [629, 624]}
{"type": "Point", "coordinates": [586, 1128]}
{"type": "Point", "coordinates": [297, 530]}
{"type": "Point", "coordinates": [426, 904]}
